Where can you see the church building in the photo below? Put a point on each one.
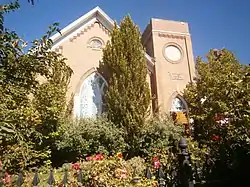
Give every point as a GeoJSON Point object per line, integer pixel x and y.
{"type": "Point", "coordinates": [168, 55]}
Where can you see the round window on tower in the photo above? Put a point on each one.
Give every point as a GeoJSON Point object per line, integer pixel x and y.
{"type": "Point", "coordinates": [173, 53]}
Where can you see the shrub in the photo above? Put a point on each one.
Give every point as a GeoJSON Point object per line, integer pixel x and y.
{"type": "Point", "coordinates": [90, 136]}
{"type": "Point", "coordinates": [98, 171]}
{"type": "Point", "coordinates": [138, 165]}
{"type": "Point", "coordinates": [159, 132]}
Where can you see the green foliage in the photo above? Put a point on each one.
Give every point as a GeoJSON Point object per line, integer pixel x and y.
{"type": "Point", "coordinates": [111, 171]}
{"type": "Point", "coordinates": [218, 102]}
{"type": "Point", "coordinates": [138, 166]}
{"type": "Point", "coordinates": [124, 67]}
{"type": "Point", "coordinates": [99, 173]}
{"type": "Point", "coordinates": [28, 117]}
{"type": "Point", "coordinates": [6, 8]}
{"type": "Point", "coordinates": [90, 136]}
{"type": "Point", "coordinates": [199, 157]}
{"type": "Point", "coordinates": [50, 97]}
{"type": "Point", "coordinates": [222, 83]}
{"type": "Point", "coordinates": [158, 133]}
{"type": "Point", "coordinates": [160, 140]}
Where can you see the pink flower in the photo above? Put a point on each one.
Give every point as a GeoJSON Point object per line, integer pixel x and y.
{"type": "Point", "coordinates": [89, 158]}
{"type": "Point", "coordinates": [7, 178]}
{"type": "Point", "coordinates": [156, 162]}
{"type": "Point", "coordinates": [98, 157]}
{"type": "Point", "coordinates": [95, 157]}
{"type": "Point", "coordinates": [76, 166]}
{"type": "Point", "coordinates": [155, 159]}
{"type": "Point", "coordinates": [123, 174]}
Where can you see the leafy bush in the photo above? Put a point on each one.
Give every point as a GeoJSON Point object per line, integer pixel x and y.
{"type": "Point", "coordinates": [100, 170]}
{"type": "Point", "coordinates": [90, 136]}
{"type": "Point", "coordinates": [31, 110]}
{"type": "Point", "coordinates": [138, 165]}
{"type": "Point", "coordinates": [158, 133]}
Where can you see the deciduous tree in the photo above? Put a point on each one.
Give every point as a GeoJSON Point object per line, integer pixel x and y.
{"type": "Point", "coordinates": [219, 103]}
{"type": "Point", "coordinates": [30, 110]}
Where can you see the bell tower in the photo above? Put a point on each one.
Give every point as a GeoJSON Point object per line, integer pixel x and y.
{"type": "Point", "coordinates": [169, 43]}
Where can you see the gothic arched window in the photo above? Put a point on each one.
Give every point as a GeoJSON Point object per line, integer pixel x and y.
{"type": "Point", "coordinates": [179, 110]}
{"type": "Point", "coordinates": [90, 99]}
{"type": "Point", "coordinates": [178, 105]}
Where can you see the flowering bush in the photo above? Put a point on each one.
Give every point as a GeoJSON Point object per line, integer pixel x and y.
{"type": "Point", "coordinates": [218, 102]}
{"type": "Point", "coordinates": [95, 157]}
{"type": "Point", "coordinates": [90, 136]}
{"type": "Point", "coordinates": [94, 171]}
{"type": "Point", "coordinates": [6, 179]}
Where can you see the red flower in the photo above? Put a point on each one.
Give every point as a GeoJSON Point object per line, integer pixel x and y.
{"type": "Point", "coordinates": [218, 117]}
{"type": "Point", "coordinates": [76, 166]}
{"type": "Point", "coordinates": [155, 159]}
{"type": "Point", "coordinates": [215, 137]}
{"type": "Point", "coordinates": [156, 162]}
{"type": "Point", "coordinates": [119, 155]}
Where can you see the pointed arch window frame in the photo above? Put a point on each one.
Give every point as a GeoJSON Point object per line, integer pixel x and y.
{"type": "Point", "coordinates": [78, 92]}
{"type": "Point", "coordinates": [179, 96]}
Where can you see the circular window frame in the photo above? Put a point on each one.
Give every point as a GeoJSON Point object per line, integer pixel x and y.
{"type": "Point", "coordinates": [96, 38]}
{"type": "Point", "coordinates": [178, 47]}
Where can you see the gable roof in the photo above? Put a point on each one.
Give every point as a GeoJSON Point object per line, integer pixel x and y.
{"type": "Point", "coordinates": [96, 14]}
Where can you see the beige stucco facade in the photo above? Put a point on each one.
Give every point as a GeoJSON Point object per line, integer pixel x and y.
{"type": "Point", "coordinates": [169, 55]}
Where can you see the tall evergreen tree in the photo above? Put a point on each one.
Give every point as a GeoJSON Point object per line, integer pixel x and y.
{"type": "Point", "coordinates": [124, 66]}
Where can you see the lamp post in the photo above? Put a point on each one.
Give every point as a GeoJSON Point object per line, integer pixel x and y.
{"type": "Point", "coordinates": [185, 170]}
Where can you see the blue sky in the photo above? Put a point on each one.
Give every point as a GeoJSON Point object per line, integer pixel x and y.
{"type": "Point", "coordinates": [213, 23]}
